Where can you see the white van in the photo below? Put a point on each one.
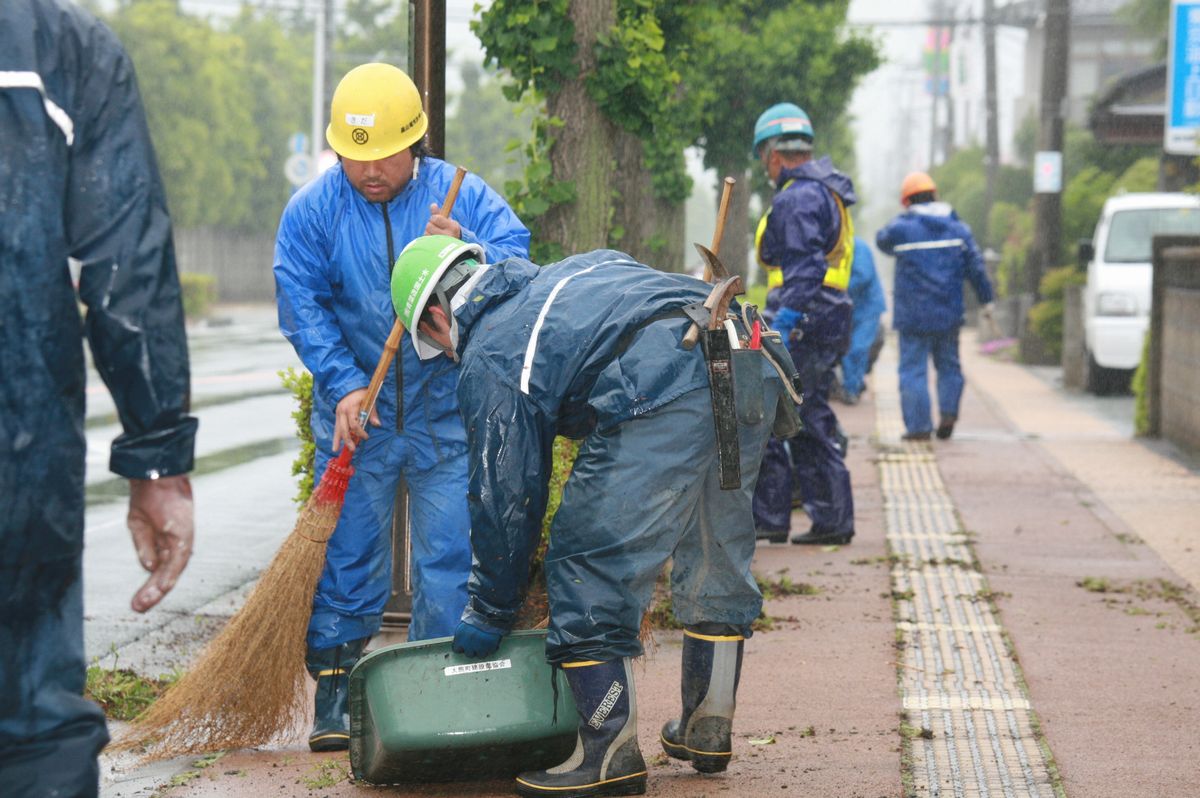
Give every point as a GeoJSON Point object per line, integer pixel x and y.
{"type": "Point", "coordinates": [1116, 304]}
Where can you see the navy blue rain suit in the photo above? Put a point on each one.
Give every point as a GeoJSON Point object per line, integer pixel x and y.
{"type": "Point", "coordinates": [79, 179]}
{"type": "Point", "coordinates": [804, 224]}
{"type": "Point", "coordinates": [935, 253]}
{"type": "Point", "coordinates": [333, 258]}
{"type": "Point", "coordinates": [579, 348]}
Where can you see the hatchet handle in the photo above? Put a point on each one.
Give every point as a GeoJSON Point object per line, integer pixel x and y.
{"type": "Point", "coordinates": [722, 215]}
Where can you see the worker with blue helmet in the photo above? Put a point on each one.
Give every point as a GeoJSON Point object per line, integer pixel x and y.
{"type": "Point", "coordinates": [806, 242]}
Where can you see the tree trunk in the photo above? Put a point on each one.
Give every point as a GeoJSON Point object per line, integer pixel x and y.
{"type": "Point", "coordinates": [652, 229]}
{"type": "Point", "coordinates": [581, 152]}
{"type": "Point", "coordinates": [739, 233]}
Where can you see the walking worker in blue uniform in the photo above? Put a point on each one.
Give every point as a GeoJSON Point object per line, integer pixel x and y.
{"type": "Point", "coordinates": [337, 243]}
{"type": "Point", "coordinates": [866, 292]}
{"type": "Point", "coordinates": [934, 254]}
{"type": "Point", "coordinates": [79, 181]}
{"type": "Point", "coordinates": [590, 348]}
{"type": "Point", "coordinates": [807, 234]}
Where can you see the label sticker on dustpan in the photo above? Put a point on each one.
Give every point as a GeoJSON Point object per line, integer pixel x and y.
{"type": "Point", "coordinates": [476, 667]}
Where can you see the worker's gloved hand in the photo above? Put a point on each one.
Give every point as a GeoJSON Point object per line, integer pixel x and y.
{"type": "Point", "coordinates": [160, 520]}
{"type": "Point", "coordinates": [989, 311]}
{"type": "Point", "coordinates": [473, 641]}
{"type": "Point", "coordinates": [786, 321]}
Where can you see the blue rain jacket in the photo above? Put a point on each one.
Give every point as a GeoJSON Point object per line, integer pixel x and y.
{"type": "Point", "coordinates": [538, 353]}
{"type": "Point", "coordinates": [79, 180]}
{"type": "Point", "coordinates": [934, 253]}
{"type": "Point", "coordinates": [869, 304]}
{"type": "Point", "coordinates": [804, 224]}
{"type": "Point", "coordinates": [332, 277]}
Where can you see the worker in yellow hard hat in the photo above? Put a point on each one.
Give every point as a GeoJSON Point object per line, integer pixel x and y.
{"type": "Point", "coordinates": [337, 241]}
{"type": "Point", "coordinates": [934, 253]}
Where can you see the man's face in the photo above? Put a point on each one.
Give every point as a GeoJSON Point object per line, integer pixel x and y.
{"type": "Point", "coordinates": [380, 181]}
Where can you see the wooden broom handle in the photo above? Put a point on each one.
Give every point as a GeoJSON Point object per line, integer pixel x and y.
{"type": "Point", "coordinates": [393, 340]}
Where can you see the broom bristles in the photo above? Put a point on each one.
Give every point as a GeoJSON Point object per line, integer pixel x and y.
{"type": "Point", "coordinates": [248, 685]}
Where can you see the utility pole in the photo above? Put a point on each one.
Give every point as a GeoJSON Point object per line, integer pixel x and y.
{"type": "Point", "coordinates": [991, 114]}
{"type": "Point", "coordinates": [1047, 233]}
{"type": "Point", "coordinates": [935, 92]}
{"type": "Point", "coordinates": [317, 130]}
{"type": "Point", "coordinates": [427, 60]}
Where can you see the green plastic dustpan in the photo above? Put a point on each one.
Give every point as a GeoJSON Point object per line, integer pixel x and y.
{"type": "Point", "coordinates": [420, 712]}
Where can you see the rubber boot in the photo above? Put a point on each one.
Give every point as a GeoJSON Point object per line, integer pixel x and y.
{"type": "Point", "coordinates": [331, 668]}
{"type": "Point", "coordinates": [712, 665]}
{"type": "Point", "coordinates": [607, 760]}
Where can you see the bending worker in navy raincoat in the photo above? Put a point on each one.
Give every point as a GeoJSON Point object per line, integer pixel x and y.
{"type": "Point", "coordinates": [337, 242]}
{"type": "Point", "coordinates": [935, 253]}
{"type": "Point", "coordinates": [590, 348]}
{"type": "Point", "coordinates": [807, 235]}
{"type": "Point", "coordinates": [79, 180]}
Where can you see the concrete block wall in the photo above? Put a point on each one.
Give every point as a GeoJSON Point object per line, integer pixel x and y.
{"type": "Point", "coordinates": [1180, 386]}
{"type": "Point", "coordinates": [241, 262]}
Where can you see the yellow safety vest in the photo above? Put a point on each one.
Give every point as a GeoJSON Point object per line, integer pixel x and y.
{"type": "Point", "coordinates": [837, 275]}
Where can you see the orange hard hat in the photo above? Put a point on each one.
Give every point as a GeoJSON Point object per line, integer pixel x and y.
{"type": "Point", "coordinates": [915, 183]}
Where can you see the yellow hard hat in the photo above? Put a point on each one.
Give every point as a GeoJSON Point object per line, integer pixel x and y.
{"type": "Point", "coordinates": [376, 112]}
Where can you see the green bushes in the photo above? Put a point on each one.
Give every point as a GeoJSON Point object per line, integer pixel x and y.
{"type": "Point", "coordinates": [1141, 402]}
{"type": "Point", "coordinates": [199, 293]}
{"type": "Point", "coordinates": [1046, 317]}
{"type": "Point", "coordinates": [300, 384]}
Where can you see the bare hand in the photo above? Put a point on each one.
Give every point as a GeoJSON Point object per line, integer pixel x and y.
{"type": "Point", "coordinates": [160, 521]}
{"type": "Point", "coordinates": [441, 225]}
{"type": "Point", "coordinates": [346, 427]}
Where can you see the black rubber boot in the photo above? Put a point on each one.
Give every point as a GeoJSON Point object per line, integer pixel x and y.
{"type": "Point", "coordinates": [331, 668]}
{"type": "Point", "coordinates": [607, 760]}
{"type": "Point", "coordinates": [819, 536]}
{"type": "Point", "coordinates": [946, 427]}
{"type": "Point", "coordinates": [712, 665]}
{"type": "Point", "coordinates": [772, 535]}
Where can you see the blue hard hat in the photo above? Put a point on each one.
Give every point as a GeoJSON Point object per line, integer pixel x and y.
{"type": "Point", "coordinates": [784, 119]}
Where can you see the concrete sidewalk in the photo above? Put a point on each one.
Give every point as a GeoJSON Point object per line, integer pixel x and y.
{"type": "Point", "coordinates": [1013, 618]}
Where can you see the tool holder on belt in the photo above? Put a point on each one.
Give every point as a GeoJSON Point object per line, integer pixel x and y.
{"type": "Point", "coordinates": [732, 357]}
{"type": "Point", "coordinates": [731, 351]}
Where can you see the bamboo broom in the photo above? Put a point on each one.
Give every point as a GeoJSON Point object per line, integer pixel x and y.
{"type": "Point", "coordinates": [247, 688]}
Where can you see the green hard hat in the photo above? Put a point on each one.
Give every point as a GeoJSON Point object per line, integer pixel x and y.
{"type": "Point", "coordinates": [417, 276]}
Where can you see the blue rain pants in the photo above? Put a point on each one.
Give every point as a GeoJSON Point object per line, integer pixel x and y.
{"type": "Point", "coordinates": [640, 493]}
{"type": "Point", "coordinates": [915, 351]}
{"type": "Point", "coordinates": [356, 582]}
{"type": "Point", "coordinates": [817, 464]}
{"type": "Point", "coordinates": [50, 735]}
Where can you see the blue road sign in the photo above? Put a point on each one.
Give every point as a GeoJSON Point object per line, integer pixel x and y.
{"type": "Point", "coordinates": [1182, 128]}
{"type": "Point", "coordinates": [298, 142]}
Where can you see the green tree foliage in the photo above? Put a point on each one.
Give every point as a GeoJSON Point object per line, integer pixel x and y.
{"type": "Point", "coordinates": [485, 132]}
{"type": "Point", "coordinates": [756, 53]}
{"type": "Point", "coordinates": [962, 181]}
{"type": "Point", "coordinates": [761, 52]}
{"type": "Point", "coordinates": [220, 104]}
{"type": "Point", "coordinates": [1150, 18]}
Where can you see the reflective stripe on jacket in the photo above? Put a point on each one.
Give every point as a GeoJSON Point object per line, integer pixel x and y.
{"type": "Point", "coordinates": [934, 253]}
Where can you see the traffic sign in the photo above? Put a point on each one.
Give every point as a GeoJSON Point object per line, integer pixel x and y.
{"type": "Point", "coordinates": [1047, 172]}
{"type": "Point", "coordinates": [298, 168]}
{"type": "Point", "coordinates": [298, 142]}
{"type": "Point", "coordinates": [1181, 133]}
